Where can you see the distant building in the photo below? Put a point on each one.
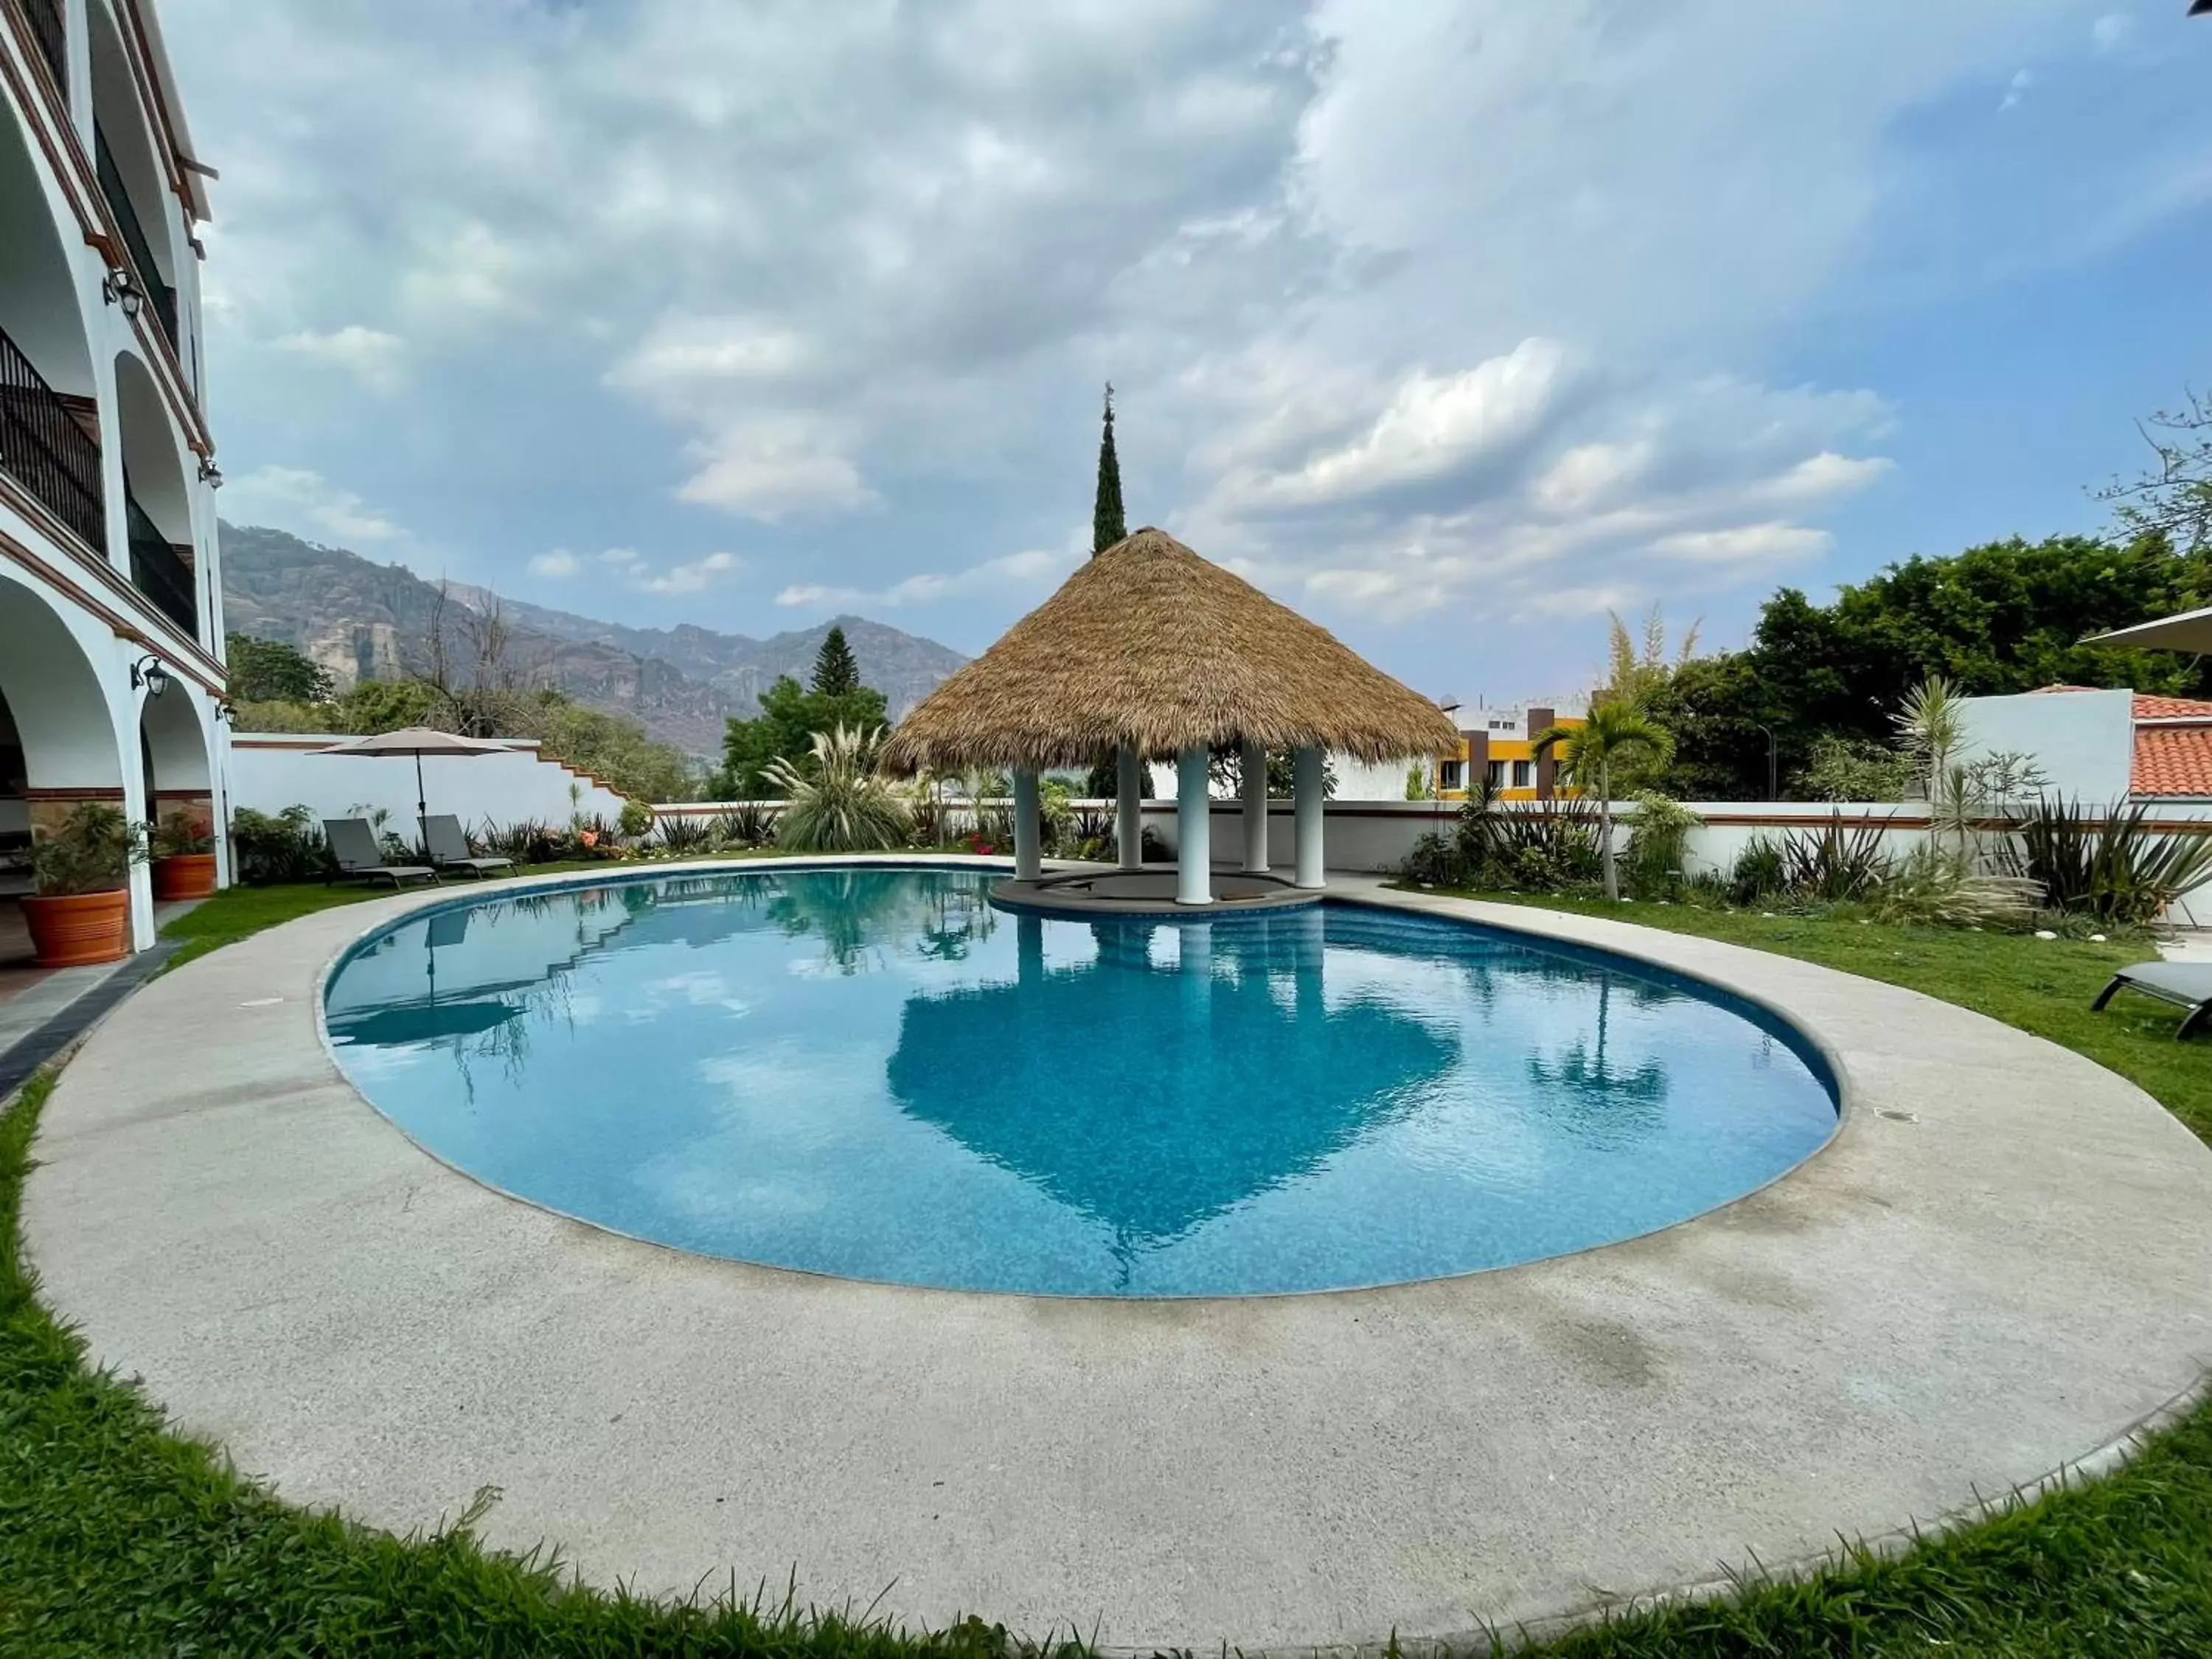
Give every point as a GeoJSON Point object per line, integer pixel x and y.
{"type": "Point", "coordinates": [1500, 744]}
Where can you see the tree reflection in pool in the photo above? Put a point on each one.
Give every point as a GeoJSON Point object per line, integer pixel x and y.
{"type": "Point", "coordinates": [871, 1072]}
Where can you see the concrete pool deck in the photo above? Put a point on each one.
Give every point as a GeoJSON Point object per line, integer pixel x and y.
{"type": "Point", "coordinates": [2001, 1265]}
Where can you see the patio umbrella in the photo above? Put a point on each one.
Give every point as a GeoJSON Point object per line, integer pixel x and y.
{"type": "Point", "coordinates": [418, 741]}
{"type": "Point", "coordinates": [2191, 630]}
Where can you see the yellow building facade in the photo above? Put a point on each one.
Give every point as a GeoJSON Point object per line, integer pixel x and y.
{"type": "Point", "coordinates": [1500, 744]}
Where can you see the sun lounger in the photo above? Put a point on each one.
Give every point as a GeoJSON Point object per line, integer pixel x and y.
{"type": "Point", "coordinates": [352, 845]}
{"type": "Point", "coordinates": [448, 845]}
{"type": "Point", "coordinates": [2186, 984]}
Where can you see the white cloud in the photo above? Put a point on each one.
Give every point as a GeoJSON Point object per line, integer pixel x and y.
{"type": "Point", "coordinates": [370, 356]}
{"type": "Point", "coordinates": [2112, 31]}
{"type": "Point", "coordinates": [306, 503]}
{"type": "Point", "coordinates": [693, 577]}
{"type": "Point", "coordinates": [1590, 474]}
{"type": "Point", "coordinates": [1744, 544]}
{"type": "Point", "coordinates": [557, 566]}
{"type": "Point", "coordinates": [1030, 570]}
{"type": "Point", "coordinates": [1821, 476]}
{"type": "Point", "coordinates": [622, 557]}
{"type": "Point", "coordinates": [1432, 426]}
{"type": "Point", "coordinates": [770, 469]}
{"type": "Point", "coordinates": [2016, 88]}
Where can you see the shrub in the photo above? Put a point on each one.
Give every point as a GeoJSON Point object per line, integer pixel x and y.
{"type": "Point", "coordinates": [2120, 871]}
{"type": "Point", "coordinates": [180, 835]}
{"type": "Point", "coordinates": [286, 846]}
{"type": "Point", "coordinates": [1935, 888]}
{"type": "Point", "coordinates": [1834, 865]}
{"type": "Point", "coordinates": [527, 841]}
{"type": "Point", "coordinates": [636, 820]}
{"type": "Point", "coordinates": [92, 852]}
{"type": "Point", "coordinates": [1760, 872]}
{"type": "Point", "coordinates": [1840, 768]}
{"type": "Point", "coordinates": [839, 805]}
{"type": "Point", "coordinates": [683, 834]}
{"type": "Point", "coordinates": [747, 824]}
{"type": "Point", "coordinates": [1437, 860]}
{"type": "Point", "coordinates": [1652, 866]}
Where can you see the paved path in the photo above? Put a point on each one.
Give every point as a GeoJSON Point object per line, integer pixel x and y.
{"type": "Point", "coordinates": [2003, 1262]}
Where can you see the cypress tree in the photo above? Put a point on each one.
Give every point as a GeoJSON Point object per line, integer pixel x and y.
{"type": "Point", "coordinates": [836, 674]}
{"type": "Point", "coordinates": [1107, 526]}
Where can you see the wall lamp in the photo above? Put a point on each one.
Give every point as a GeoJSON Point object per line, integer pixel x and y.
{"type": "Point", "coordinates": [227, 711]}
{"type": "Point", "coordinates": [150, 672]}
{"type": "Point", "coordinates": [118, 287]}
{"type": "Point", "coordinates": [210, 474]}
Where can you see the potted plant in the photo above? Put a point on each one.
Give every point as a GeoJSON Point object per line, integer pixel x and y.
{"type": "Point", "coordinates": [82, 911]}
{"type": "Point", "coordinates": [184, 857]}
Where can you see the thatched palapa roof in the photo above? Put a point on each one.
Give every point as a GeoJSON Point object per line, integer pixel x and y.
{"type": "Point", "coordinates": [1152, 645]}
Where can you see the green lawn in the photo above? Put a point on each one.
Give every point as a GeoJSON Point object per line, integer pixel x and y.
{"type": "Point", "coordinates": [118, 1538]}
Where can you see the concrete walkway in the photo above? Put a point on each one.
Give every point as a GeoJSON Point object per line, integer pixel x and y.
{"type": "Point", "coordinates": [2002, 1264]}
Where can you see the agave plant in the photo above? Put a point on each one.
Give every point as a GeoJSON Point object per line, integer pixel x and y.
{"type": "Point", "coordinates": [680, 835]}
{"type": "Point", "coordinates": [839, 805]}
{"type": "Point", "coordinates": [2110, 865]}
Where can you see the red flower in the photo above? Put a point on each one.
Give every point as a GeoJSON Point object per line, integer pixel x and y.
{"type": "Point", "coordinates": [590, 838]}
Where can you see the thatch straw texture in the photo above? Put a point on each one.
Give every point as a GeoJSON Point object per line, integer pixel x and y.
{"type": "Point", "coordinates": [1149, 645]}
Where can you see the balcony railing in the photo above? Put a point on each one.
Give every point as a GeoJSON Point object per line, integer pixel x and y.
{"type": "Point", "coordinates": [42, 445]}
{"type": "Point", "coordinates": [135, 244]}
{"type": "Point", "coordinates": [45, 18]}
{"type": "Point", "coordinates": [159, 573]}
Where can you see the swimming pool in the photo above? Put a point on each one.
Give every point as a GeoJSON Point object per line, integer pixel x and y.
{"type": "Point", "coordinates": [871, 1072]}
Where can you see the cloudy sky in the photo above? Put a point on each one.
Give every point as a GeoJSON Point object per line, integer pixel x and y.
{"type": "Point", "coordinates": [1453, 324]}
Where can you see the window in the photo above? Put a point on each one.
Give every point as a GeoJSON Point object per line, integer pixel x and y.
{"type": "Point", "coordinates": [1524, 773]}
{"type": "Point", "coordinates": [1498, 774]}
{"type": "Point", "coordinates": [1452, 775]}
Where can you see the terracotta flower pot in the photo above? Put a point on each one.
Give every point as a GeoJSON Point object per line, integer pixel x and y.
{"type": "Point", "coordinates": [73, 930]}
{"type": "Point", "coordinates": [184, 876]}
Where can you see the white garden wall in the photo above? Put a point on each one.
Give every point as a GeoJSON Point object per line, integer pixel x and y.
{"type": "Point", "coordinates": [272, 770]}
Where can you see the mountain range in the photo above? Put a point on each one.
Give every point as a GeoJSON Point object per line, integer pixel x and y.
{"type": "Point", "coordinates": [361, 620]}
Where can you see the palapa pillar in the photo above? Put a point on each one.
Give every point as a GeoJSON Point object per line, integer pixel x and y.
{"type": "Point", "coordinates": [1193, 828]}
{"type": "Point", "coordinates": [1253, 767]}
{"type": "Point", "coordinates": [1307, 766]}
{"type": "Point", "coordinates": [1028, 839]}
{"type": "Point", "coordinates": [1129, 807]}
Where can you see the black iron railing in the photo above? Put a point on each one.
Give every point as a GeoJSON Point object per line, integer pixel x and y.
{"type": "Point", "coordinates": [141, 251]}
{"type": "Point", "coordinates": [45, 18]}
{"type": "Point", "coordinates": [42, 445]}
{"type": "Point", "coordinates": [158, 571]}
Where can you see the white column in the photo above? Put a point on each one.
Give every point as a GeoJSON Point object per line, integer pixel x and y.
{"type": "Point", "coordinates": [1129, 807]}
{"type": "Point", "coordinates": [1308, 765]}
{"type": "Point", "coordinates": [1193, 830]}
{"type": "Point", "coordinates": [1029, 854]}
{"type": "Point", "coordinates": [1254, 766]}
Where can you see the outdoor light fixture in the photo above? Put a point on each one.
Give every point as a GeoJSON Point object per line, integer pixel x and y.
{"type": "Point", "coordinates": [150, 672]}
{"type": "Point", "coordinates": [227, 711]}
{"type": "Point", "coordinates": [118, 288]}
{"type": "Point", "coordinates": [210, 474]}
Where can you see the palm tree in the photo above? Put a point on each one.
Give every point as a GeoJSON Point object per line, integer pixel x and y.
{"type": "Point", "coordinates": [1613, 731]}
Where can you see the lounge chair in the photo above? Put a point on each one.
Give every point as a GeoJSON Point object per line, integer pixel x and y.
{"type": "Point", "coordinates": [2186, 984]}
{"type": "Point", "coordinates": [448, 845]}
{"type": "Point", "coordinates": [352, 845]}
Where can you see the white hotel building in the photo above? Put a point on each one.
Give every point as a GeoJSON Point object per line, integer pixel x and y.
{"type": "Point", "coordinates": [109, 580]}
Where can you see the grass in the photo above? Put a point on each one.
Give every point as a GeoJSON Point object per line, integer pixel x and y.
{"type": "Point", "coordinates": [117, 1537]}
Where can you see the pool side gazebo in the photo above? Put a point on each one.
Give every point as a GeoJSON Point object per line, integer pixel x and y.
{"type": "Point", "coordinates": [1149, 650]}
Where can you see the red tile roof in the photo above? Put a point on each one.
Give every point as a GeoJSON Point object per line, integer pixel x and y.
{"type": "Point", "coordinates": [2173, 760]}
{"type": "Point", "coordinates": [2171, 708]}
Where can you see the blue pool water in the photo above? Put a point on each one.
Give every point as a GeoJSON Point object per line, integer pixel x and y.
{"type": "Point", "coordinates": [872, 1072]}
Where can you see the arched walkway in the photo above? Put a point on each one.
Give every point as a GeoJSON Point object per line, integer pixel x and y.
{"type": "Point", "coordinates": [69, 723]}
{"type": "Point", "coordinates": [173, 754]}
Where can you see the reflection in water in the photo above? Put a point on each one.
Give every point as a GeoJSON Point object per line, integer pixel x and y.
{"type": "Point", "coordinates": [1154, 1137]}
{"type": "Point", "coordinates": [870, 1072]}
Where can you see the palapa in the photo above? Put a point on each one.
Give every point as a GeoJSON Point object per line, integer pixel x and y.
{"type": "Point", "coordinates": [1150, 645]}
